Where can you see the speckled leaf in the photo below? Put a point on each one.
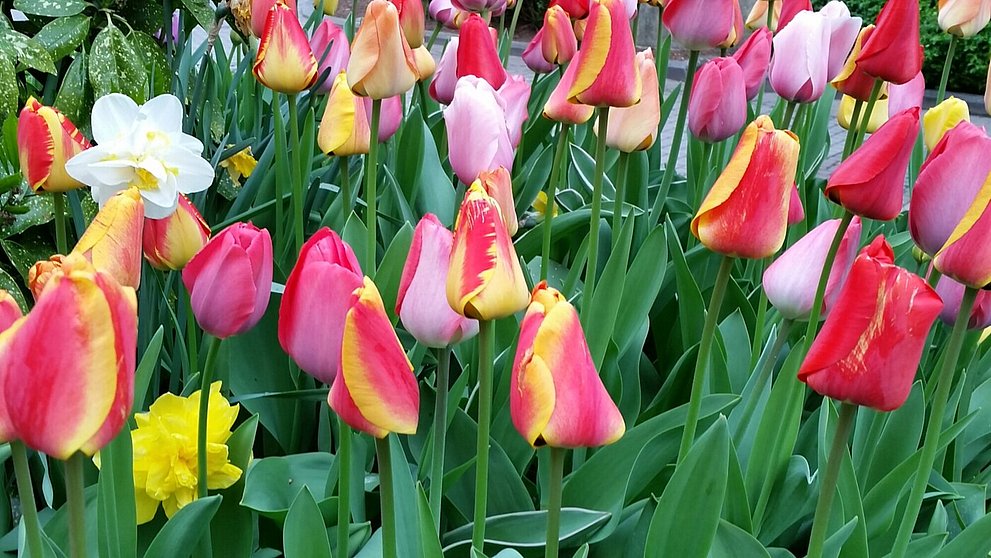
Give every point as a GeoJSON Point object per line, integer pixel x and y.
{"type": "Point", "coordinates": [8, 86]}
{"type": "Point", "coordinates": [202, 10]}
{"type": "Point", "coordinates": [26, 251]}
{"type": "Point", "coordinates": [9, 284]}
{"type": "Point", "coordinates": [27, 51]}
{"type": "Point", "coordinates": [50, 8]}
{"type": "Point", "coordinates": [40, 211]}
{"type": "Point", "coordinates": [155, 64]}
{"type": "Point", "coordinates": [142, 15]}
{"type": "Point", "coordinates": [72, 94]}
{"type": "Point", "coordinates": [114, 67]}
{"type": "Point", "coordinates": [63, 35]}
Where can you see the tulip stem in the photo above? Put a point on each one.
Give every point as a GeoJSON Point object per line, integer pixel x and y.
{"type": "Point", "coordinates": [789, 112]}
{"type": "Point", "coordinates": [345, 178]}
{"type": "Point", "coordinates": [851, 132]}
{"type": "Point", "coordinates": [827, 266]}
{"type": "Point", "coordinates": [297, 173]}
{"type": "Point", "coordinates": [512, 31]}
{"type": "Point", "coordinates": [770, 14]}
{"type": "Point", "coordinates": [593, 226]}
{"type": "Point", "coordinates": [77, 504]}
{"type": "Point", "coordinates": [554, 502]}
{"type": "Point", "coordinates": [865, 119]}
{"type": "Point", "coordinates": [679, 131]}
{"type": "Point", "coordinates": [386, 497]}
{"type": "Point", "coordinates": [827, 489]}
{"type": "Point", "coordinates": [61, 244]}
{"type": "Point", "coordinates": [763, 376]}
{"type": "Point", "coordinates": [371, 184]}
{"type": "Point", "coordinates": [344, 490]}
{"type": "Point", "coordinates": [623, 168]}
{"type": "Point", "coordinates": [486, 352]}
{"type": "Point", "coordinates": [204, 415]}
{"type": "Point", "coordinates": [29, 510]}
{"type": "Point", "coordinates": [545, 254]}
{"type": "Point", "coordinates": [440, 434]}
{"type": "Point", "coordinates": [279, 126]}
{"type": "Point", "coordinates": [702, 362]}
{"type": "Point", "coordinates": [935, 426]}
{"type": "Point", "coordinates": [191, 349]}
{"type": "Point", "coordinates": [941, 94]}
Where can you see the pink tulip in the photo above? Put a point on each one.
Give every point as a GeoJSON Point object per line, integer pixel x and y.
{"type": "Point", "coordinates": [554, 43]}
{"type": "Point", "coordinates": [800, 65]}
{"type": "Point", "coordinates": [10, 312]}
{"type": "Point", "coordinates": [446, 76]}
{"type": "Point", "coordinates": [704, 24]}
{"type": "Point", "coordinates": [446, 13]}
{"type": "Point", "coordinates": [332, 51]}
{"type": "Point", "coordinates": [259, 14]}
{"type": "Point", "coordinates": [422, 300]}
{"type": "Point", "coordinates": [494, 7]}
{"type": "Point", "coordinates": [533, 55]}
{"type": "Point", "coordinates": [843, 31]}
{"type": "Point", "coordinates": [515, 95]}
{"type": "Point", "coordinates": [754, 57]}
{"type": "Point", "coordinates": [717, 108]}
{"type": "Point", "coordinates": [478, 132]}
{"type": "Point", "coordinates": [390, 117]}
{"type": "Point", "coordinates": [796, 211]}
{"type": "Point", "coordinates": [559, 109]}
{"type": "Point", "coordinates": [952, 294]}
{"type": "Point", "coordinates": [906, 95]}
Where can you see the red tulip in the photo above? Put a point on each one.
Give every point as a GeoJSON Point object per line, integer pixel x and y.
{"type": "Point", "coordinates": [704, 24]}
{"type": "Point", "coordinates": [754, 58]}
{"type": "Point", "coordinates": [893, 52]}
{"type": "Point", "coordinates": [788, 10]}
{"type": "Point", "coordinates": [607, 73]}
{"type": "Point", "coordinates": [869, 347]}
{"type": "Point", "coordinates": [259, 14]}
{"type": "Point", "coordinates": [46, 139]}
{"type": "Point", "coordinates": [852, 79]}
{"type": "Point", "coordinates": [796, 212]}
{"type": "Point", "coordinates": [717, 108]}
{"type": "Point", "coordinates": [952, 294]}
{"type": "Point", "coordinates": [871, 182]}
{"type": "Point", "coordinates": [171, 242]}
{"type": "Point", "coordinates": [476, 55]}
{"type": "Point", "coordinates": [577, 9]}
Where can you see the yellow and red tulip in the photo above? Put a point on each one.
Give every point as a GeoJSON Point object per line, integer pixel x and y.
{"type": "Point", "coordinates": [498, 184]}
{"type": "Point", "coordinates": [559, 109]}
{"type": "Point", "coordinates": [633, 128]}
{"type": "Point", "coordinates": [46, 139]}
{"type": "Point", "coordinates": [966, 256]}
{"type": "Point", "coordinates": [607, 73]}
{"type": "Point", "coordinates": [382, 63]}
{"type": "Point", "coordinates": [42, 272]}
{"type": "Point", "coordinates": [259, 13]}
{"type": "Point", "coordinates": [852, 80]}
{"type": "Point", "coordinates": [112, 242]}
{"type": "Point", "coordinates": [553, 44]}
{"type": "Point", "coordinates": [171, 242]}
{"type": "Point", "coordinates": [942, 118]}
{"type": "Point", "coordinates": [344, 128]}
{"type": "Point", "coordinates": [284, 61]}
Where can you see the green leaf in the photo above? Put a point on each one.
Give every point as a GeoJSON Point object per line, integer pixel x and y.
{"type": "Point", "coordinates": [27, 51]}
{"type": "Point", "coordinates": [528, 529]}
{"type": "Point", "coordinates": [691, 307]}
{"type": "Point", "coordinates": [647, 274]}
{"type": "Point", "coordinates": [51, 8]}
{"type": "Point", "coordinates": [834, 544]}
{"type": "Point", "coordinates": [72, 93]}
{"type": "Point", "coordinates": [8, 85]}
{"type": "Point", "coordinates": [202, 10]}
{"type": "Point", "coordinates": [390, 270]}
{"type": "Point", "coordinates": [8, 284]}
{"type": "Point", "coordinates": [41, 210]}
{"type": "Point", "coordinates": [114, 66]}
{"type": "Point", "coordinates": [233, 529]}
{"type": "Point", "coordinates": [428, 537]}
{"type": "Point", "coordinates": [304, 534]}
{"type": "Point", "coordinates": [273, 483]}
{"type": "Point", "coordinates": [117, 529]}
{"type": "Point", "coordinates": [733, 542]}
{"type": "Point", "coordinates": [419, 170]}
{"type": "Point", "coordinates": [63, 35]}
{"type": "Point", "coordinates": [146, 368]}
{"type": "Point", "coordinates": [605, 306]}
{"type": "Point", "coordinates": [155, 64]}
{"type": "Point", "coordinates": [180, 534]}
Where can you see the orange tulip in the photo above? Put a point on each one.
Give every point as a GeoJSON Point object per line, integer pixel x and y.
{"type": "Point", "coordinates": [284, 62]}
{"type": "Point", "coordinates": [112, 242]}
{"type": "Point", "coordinates": [171, 242]}
{"type": "Point", "coordinates": [607, 73]}
{"type": "Point", "coordinates": [42, 272]}
{"type": "Point", "coordinates": [382, 63]}
{"type": "Point", "coordinates": [45, 141]}
{"type": "Point", "coordinates": [633, 128]}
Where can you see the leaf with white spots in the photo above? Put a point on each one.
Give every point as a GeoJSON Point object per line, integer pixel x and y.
{"type": "Point", "coordinates": [155, 63]}
{"type": "Point", "coordinates": [8, 86]}
{"type": "Point", "coordinates": [51, 8]}
{"type": "Point", "coordinates": [63, 35]}
{"type": "Point", "coordinates": [72, 93]}
{"type": "Point", "coordinates": [114, 67]}
{"type": "Point", "coordinates": [27, 51]}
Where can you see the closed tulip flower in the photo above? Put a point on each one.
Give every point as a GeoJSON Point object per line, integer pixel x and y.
{"type": "Point", "coordinates": [553, 44]}
{"type": "Point", "coordinates": [906, 95]}
{"type": "Point", "coordinates": [315, 303]}
{"type": "Point", "coordinates": [704, 24]}
{"type": "Point", "coordinates": [791, 281]}
{"type": "Point", "coordinates": [331, 49]}
{"type": "Point", "coordinates": [344, 129]}
{"type": "Point", "coordinates": [515, 96]}
{"type": "Point", "coordinates": [871, 182]}
{"type": "Point", "coordinates": [422, 300]}
{"type": "Point", "coordinates": [376, 391]}
{"type": "Point", "coordinates": [382, 64]}
{"type": "Point", "coordinates": [717, 108]}
{"type": "Point", "coordinates": [498, 184]}
{"type": "Point", "coordinates": [259, 13]}
{"type": "Point", "coordinates": [446, 76]}
{"type": "Point", "coordinates": [745, 213]}
{"type": "Point", "coordinates": [633, 128]}
{"type": "Point", "coordinates": [948, 182]}
{"type": "Point", "coordinates": [869, 348]}
{"type": "Point", "coordinates": [796, 212]}
{"type": "Point", "coordinates": [284, 61]}
{"type": "Point", "coordinates": [78, 397]}
{"type": "Point", "coordinates": [757, 18]}
{"type": "Point", "coordinates": [556, 396]}
{"type": "Point", "coordinates": [790, 8]}
{"type": "Point", "coordinates": [966, 256]}
{"type": "Point", "coordinates": [952, 294]}
{"type": "Point", "coordinates": [230, 280]}
{"type": "Point", "coordinates": [46, 139]}
{"type": "Point", "coordinates": [534, 58]}
{"type": "Point", "coordinates": [893, 52]}
{"type": "Point", "coordinates": [478, 130]}
{"type": "Point", "coordinates": [42, 272]}
{"type": "Point", "coordinates": [446, 13]}
{"type": "Point", "coordinates": [852, 80]}
{"type": "Point", "coordinates": [329, 7]}
{"type": "Point", "coordinates": [800, 64]}
{"type": "Point", "coordinates": [494, 7]}
{"type": "Point", "coordinates": [878, 116]}
{"type": "Point", "coordinates": [577, 9]}
{"type": "Point", "coordinates": [559, 109]}
{"type": "Point", "coordinates": [10, 312]}
{"type": "Point", "coordinates": [942, 118]}
{"type": "Point", "coordinates": [112, 242]}
{"type": "Point", "coordinates": [476, 55]}
{"type": "Point", "coordinates": [485, 280]}
{"type": "Point", "coordinates": [843, 32]}
{"type": "Point", "coordinates": [171, 242]}
{"type": "Point", "coordinates": [411, 21]}
{"type": "Point", "coordinates": [754, 58]}
{"type": "Point", "coordinates": [964, 18]}
{"type": "Point", "coordinates": [607, 73]}
{"type": "Point", "coordinates": [425, 64]}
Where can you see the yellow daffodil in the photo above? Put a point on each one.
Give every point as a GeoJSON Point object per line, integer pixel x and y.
{"type": "Point", "coordinates": [540, 205]}
{"type": "Point", "coordinates": [240, 165]}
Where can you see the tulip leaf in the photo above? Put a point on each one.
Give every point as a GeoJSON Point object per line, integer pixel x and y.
{"type": "Point", "coordinates": [691, 308]}
{"type": "Point", "coordinates": [647, 274]}
{"type": "Point", "coordinates": [390, 269]}
{"type": "Point", "coordinates": [117, 531]}
{"type": "Point", "coordinates": [794, 496]}
{"type": "Point", "coordinates": [71, 96]}
{"type": "Point", "coordinates": [50, 8]}
{"type": "Point", "coordinates": [304, 533]}
{"type": "Point", "coordinates": [41, 210]}
{"type": "Point", "coordinates": [63, 35]}
{"type": "Point", "coordinates": [430, 543]}
{"type": "Point", "coordinates": [181, 533]}
{"type": "Point", "coordinates": [605, 305]}
{"type": "Point", "coordinates": [114, 66]}
{"type": "Point", "coordinates": [8, 85]}
{"type": "Point", "coordinates": [834, 543]}
{"type": "Point", "coordinates": [272, 484]}
{"type": "Point", "coordinates": [527, 529]}
{"type": "Point", "coordinates": [146, 368]}
{"type": "Point", "coordinates": [232, 531]}
{"type": "Point", "coordinates": [419, 170]}
{"type": "Point", "coordinates": [732, 541]}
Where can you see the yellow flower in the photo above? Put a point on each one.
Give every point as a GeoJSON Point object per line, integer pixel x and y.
{"type": "Point", "coordinates": [942, 118]}
{"type": "Point", "coordinates": [165, 466]}
{"type": "Point", "coordinates": [540, 205]}
{"type": "Point", "coordinates": [240, 164]}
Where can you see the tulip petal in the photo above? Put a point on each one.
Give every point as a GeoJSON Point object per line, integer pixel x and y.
{"type": "Point", "coordinates": [607, 74]}
{"type": "Point", "coordinates": [382, 64]}
{"type": "Point", "coordinates": [112, 242]}
{"type": "Point", "coordinates": [966, 256]}
{"type": "Point", "coordinates": [284, 61]}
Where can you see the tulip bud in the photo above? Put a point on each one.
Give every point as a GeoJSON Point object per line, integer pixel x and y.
{"type": "Point", "coordinates": [952, 294]}
{"type": "Point", "coordinates": [446, 13]}
{"type": "Point", "coordinates": [800, 63]}
{"type": "Point", "coordinates": [382, 64]}
{"type": "Point", "coordinates": [869, 348]}
{"type": "Point", "coordinates": [376, 392]}
{"type": "Point", "coordinates": [964, 18]}
{"type": "Point", "coordinates": [446, 78]}
{"type": "Point", "coordinates": [515, 96]}
{"type": "Point", "coordinates": [704, 24]}
{"type": "Point", "coordinates": [112, 242]}
{"type": "Point", "coordinates": [46, 139]}
{"type": "Point", "coordinates": [344, 128]}
{"type": "Point", "coordinates": [556, 397]}
{"type": "Point", "coordinates": [259, 13]}
{"type": "Point", "coordinates": [554, 43]}
{"type": "Point", "coordinates": [843, 31]}
{"type": "Point", "coordinates": [893, 52]}
{"type": "Point", "coordinates": [966, 256]}
{"type": "Point", "coordinates": [942, 118]}
{"type": "Point", "coordinates": [906, 95]}
{"type": "Point", "coordinates": [607, 73]}
{"type": "Point", "coordinates": [10, 311]}
{"type": "Point", "coordinates": [498, 184]}
{"type": "Point", "coordinates": [559, 109]}
{"type": "Point", "coordinates": [494, 7]}
{"type": "Point", "coordinates": [791, 281]}
{"type": "Point", "coordinates": [852, 80]}
{"type": "Point", "coordinates": [229, 281]}
{"type": "Point", "coordinates": [717, 107]}
{"type": "Point", "coordinates": [425, 65]}
{"type": "Point", "coordinates": [477, 54]}
{"type": "Point", "coordinates": [533, 57]}
{"type": "Point", "coordinates": [477, 128]}
{"type": "Point", "coordinates": [329, 8]}
{"type": "Point", "coordinates": [633, 128]}
{"type": "Point", "coordinates": [754, 57]}
{"type": "Point", "coordinates": [284, 61]}
{"type": "Point", "coordinates": [878, 116]}
{"type": "Point", "coordinates": [796, 212]}
{"type": "Point", "coordinates": [576, 9]}
{"type": "Point", "coordinates": [78, 397]}
{"type": "Point", "coordinates": [485, 281]}
{"type": "Point", "coordinates": [171, 242]}
{"type": "Point", "coordinates": [41, 274]}
{"type": "Point", "coordinates": [332, 52]}
{"type": "Point", "coordinates": [411, 21]}
{"type": "Point", "coordinates": [315, 304]}
{"type": "Point", "coordinates": [745, 213]}
{"type": "Point", "coordinates": [422, 301]}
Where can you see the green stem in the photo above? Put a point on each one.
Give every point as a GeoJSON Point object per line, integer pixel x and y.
{"type": "Point", "coordinates": [935, 426]}
{"type": "Point", "coordinates": [866, 118]}
{"type": "Point", "coordinates": [297, 174]}
{"type": "Point", "coordinates": [679, 131]}
{"type": "Point", "coordinates": [851, 132]}
{"type": "Point", "coordinates": [77, 504]}
{"type": "Point", "coordinates": [204, 415]}
{"type": "Point", "coordinates": [554, 502]}
{"type": "Point", "coordinates": [593, 226]}
{"type": "Point", "coordinates": [763, 376]}
{"type": "Point", "coordinates": [702, 362]}
{"type": "Point", "coordinates": [197, 100]}
{"type": "Point", "coordinates": [827, 267]}
{"type": "Point", "coordinates": [789, 112]}
{"type": "Point", "coordinates": [486, 352]}
{"type": "Point", "coordinates": [354, 24]}
{"type": "Point", "coordinates": [545, 254]}
{"type": "Point", "coordinates": [371, 185]}
{"type": "Point", "coordinates": [385, 494]}
{"type": "Point", "coordinates": [848, 411]}
{"type": "Point", "coordinates": [760, 321]}
{"type": "Point", "coordinates": [61, 244]}
{"type": "Point", "coordinates": [770, 14]}
{"type": "Point", "coordinates": [29, 510]}
{"type": "Point", "coordinates": [345, 170]}
{"type": "Point", "coordinates": [279, 124]}
{"type": "Point", "coordinates": [622, 170]}
{"type": "Point", "coordinates": [512, 30]}
{"type": "Point", "coordinates": [440, 434]}
{"type": "Point", "coordinates": [661, 78]}
{"type": "Point", "coordinates": [192, 350]}
{"type": "Point", "coordinates": [934, 276]}
{"type": "Point", "coordinates": [947, 63]}
{"type": "Point", "coordinates": [433, 35]}
{"type": "Point", "coordinates": [344, 490]}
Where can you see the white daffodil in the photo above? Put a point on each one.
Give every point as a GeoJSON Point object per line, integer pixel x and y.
{"type": "Point", "coordinates": [142, 147]}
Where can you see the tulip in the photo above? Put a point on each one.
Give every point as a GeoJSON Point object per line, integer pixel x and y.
{"type": "Point", "coordinates": [41, 273]}
{"type": "Point", "coordinates": [871, 182]}
{"type": "Point", "coordinates": [746, 211]}
{"type": "Point", "coordinates": [800, 65]}
{"type": "Point", "coordinates": [633, 128]}
{"type": "Point", "coordinates": [556, 396]}
{"type": "Point", "coordinates": [485, 280]}
{"type": "Point", "coordinates": [533, 56]}
{"type": "Point", "coordinates": [754, 57]}
{"type": "Point", "coordinates": [494, 7]}
{"type": "Point", "coordinates": [411, 21]}
{"type": "Point", "coordinates": [948, 182]}
{"type": "Point", "coordinates": [446, 77]}
{"type": "Point", "coordinates": [446, 13]}
{"type": "Point", "coordinates": [425, 64]}
{"type": "Point", "coordinates": [987, 92]}
{"type": "Point", "coordinates": [791, 281]}
{"type": "Point", "coordinates": [607, 73]}
{"type": "Point", "coordinates": [576, 9]}
{"type": "Point", "coordinates": [757, 18]}
{"type": "Point", "coordinates": [171, 242]}
{"type": "Point", "coordinates": [553, 44]}
{"type": "Point", "coordinates": [78, 397]}
{"type": "Point", "coordinates": [477, 54]}
{"type": "Point", "coordinates": [329, 7]}
{"type": "Point", "coordinates": [382, 64]}
{"type": "Point", "coordinates": [331, 49]}
{"type": "Point", "coordinates": [852, 80]}
{"type": "Point", "coordinates": [906, 95]}
{"type": "Point", "coordinates": [259, 13]}
{"type": "Point", "coordinates": [789, 8]}
{"type": "Point", "coordinates": [515, 95]}
{"type": "Point", "coordinates": [10, 311]}
{"type": "Point", "coordinates": [964, 18]}
{"type": "Point", "coordinates": [878, 116]}
{"type": "Point", "coordinates": [376, 391]}
{"type": "Point", "coordinates": [942, 118]}
{"type": "Point", "coordinates": [112, 242]}
{"type": "Point", "coordinates": [717, 108]}
{"type": "Point", "coordinates": [796, 212]}
{"type": "Point", "coordinates": [390, 117]}
{"type": "Point", "coordinates": [843, 32]}
{"type": "Point", "coordinates": [966, 256]}
{"type": "Point", "coordinates": [893, 53]}
{"type": "Point", "coordinates": [284, 61]}
{"type": "Point", "coordinates": [422, 301]}
{"type": "Point", "coordinates": [344, 128]}
{"type": "Point", "coordinates": [559, 109]}
{"type": "Point", "coordinates": [870, 346]}
{"type": "Point", "coordinates": [230, 280]}
{"type": "Point", "coordinates": [46, 139]}
{"type": "Point", "coordinates": [315, 303]}
{"type": "Point", "coordinates": [477, 128]}
{"type": "Point", "coordinates": [704, 24]}
{"type": "Point", "coordinates": [952, 294]}
{"type": "Point", "coordinates": [498, 184]}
